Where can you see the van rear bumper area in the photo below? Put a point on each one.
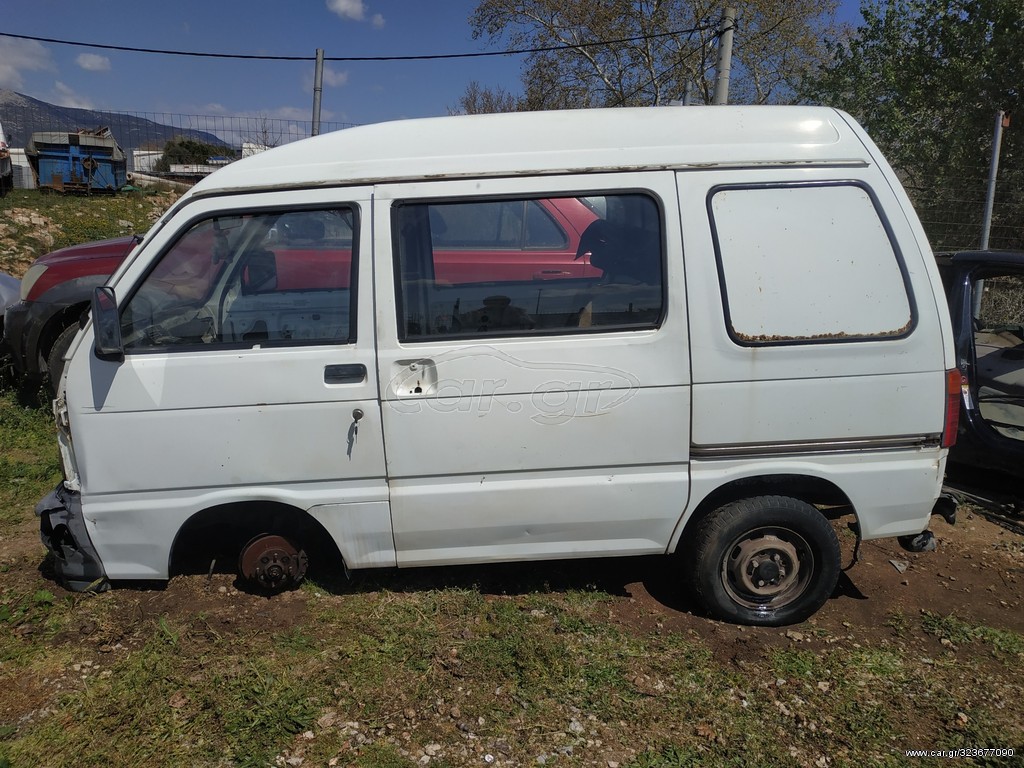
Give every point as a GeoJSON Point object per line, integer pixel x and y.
{"type": "Point", "coordinates": [62, 529]}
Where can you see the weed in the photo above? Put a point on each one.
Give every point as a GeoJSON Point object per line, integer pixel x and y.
{"type": "Point", "coordinates": [21, 616]}
{"type": "Point", "coordinates": [796, 663]}
{"type": "Point", "coordinates": [168, 635]}
{"type": "Point", "coordinates": [382, 756]}
{"type": "Point", "coordinates": [876, 663]}
{"type": "Point", "coordinates": [898, 622]}
{"type": "Point", "coordinates": [668, 757]}
{"type": "Point", "coordinates": [959, 632]}
{"type": "Point", "coordinates": [295, 641]}
{"type": "Point", "coordinates": [262, 706]}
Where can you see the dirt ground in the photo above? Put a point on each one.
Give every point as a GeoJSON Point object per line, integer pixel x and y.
{"type": "Point", "coordinates": [976, 573]}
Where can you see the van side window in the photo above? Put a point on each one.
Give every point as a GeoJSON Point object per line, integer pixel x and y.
{"type": "Point", "coordinates": [792, 271]}
{"type": "Point", "coordinates": [248, 280]}
{"type": "Point", "coordinates": [514, 267]}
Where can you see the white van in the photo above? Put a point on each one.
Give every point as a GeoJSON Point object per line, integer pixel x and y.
{"type": "Point", "coordinates": [704, 331]}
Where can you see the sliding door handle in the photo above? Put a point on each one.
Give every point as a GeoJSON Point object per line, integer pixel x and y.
{"type": "Point", "coordinates": [354, 373]}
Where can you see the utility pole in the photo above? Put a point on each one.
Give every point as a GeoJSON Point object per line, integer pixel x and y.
{"type": "Point", "coordinates": [318, 88]}
{"type": "Point", "coordinates": [1002, 121]}
{"type": "Point", "coordinates": [724, 63]}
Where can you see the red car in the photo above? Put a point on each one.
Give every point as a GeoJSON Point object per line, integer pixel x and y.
{"type": "Point", "coordinates": [55, 292]}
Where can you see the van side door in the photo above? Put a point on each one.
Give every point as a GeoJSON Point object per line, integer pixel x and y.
{"type": "Point", "coordinates": [538, 415]}
{"type": "Point", "coordinates": [248, 375]}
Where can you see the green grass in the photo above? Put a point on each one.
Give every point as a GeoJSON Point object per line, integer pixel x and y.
{"type": "Point", "coordinates": [29, 461]}
{"type": "Point", "coordinates": [960, 632]}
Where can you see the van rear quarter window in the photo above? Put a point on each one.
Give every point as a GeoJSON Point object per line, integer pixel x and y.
{"type": "Point", "coordinates": [808, 263]}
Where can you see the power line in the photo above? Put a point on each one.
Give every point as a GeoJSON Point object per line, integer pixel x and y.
{"type": "Point", "coordinates": [422, 57]}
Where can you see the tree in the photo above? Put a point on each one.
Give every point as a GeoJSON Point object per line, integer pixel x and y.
{"type": "Point", "coordinates": [185, 151]}
{"type": "Point", "coordinates": [926, 78]}
{"type": "Point", "coordinates": [651, 49]}
{"type": "Point", "coordinates": [480, 100]}
{"type": "Point", "coordinates": [265, 136]}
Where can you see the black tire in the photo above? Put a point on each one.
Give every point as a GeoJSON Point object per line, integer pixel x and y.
{"type": "Point", "coordinates": [55, 359]}
{"type": "Point", "coordinates": [766, 561]}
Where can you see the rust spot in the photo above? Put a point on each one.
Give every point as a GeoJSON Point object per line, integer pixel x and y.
{"type": "Point", "coordinates": [774, 338]}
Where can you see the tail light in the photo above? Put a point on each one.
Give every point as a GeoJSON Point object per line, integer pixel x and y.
{"type": "Point", "coordinates": [955, 385]}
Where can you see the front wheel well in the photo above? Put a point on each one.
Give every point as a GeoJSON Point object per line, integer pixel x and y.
{"type": "Point", "coordinates": [213, 538]}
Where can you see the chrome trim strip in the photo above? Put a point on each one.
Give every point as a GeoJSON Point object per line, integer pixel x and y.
{"type": "Point", "coordinates": [814, 447]}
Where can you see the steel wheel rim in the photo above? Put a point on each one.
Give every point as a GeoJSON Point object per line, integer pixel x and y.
{"type": "Point", "coordinates": [767, 568]}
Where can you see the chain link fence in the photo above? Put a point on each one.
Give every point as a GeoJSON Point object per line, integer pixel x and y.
{"type": "Point", "coordinates": [953, 214]}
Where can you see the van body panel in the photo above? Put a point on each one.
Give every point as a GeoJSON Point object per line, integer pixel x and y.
{"type": "Point", "coordinates": [246, 451]}
{"type": "Point", "coordinates": [826, 409]}
{"type": "Point", "coordinates": [134, 533]}
{"type": "Point", "coordinates": [813, 359]}
{"type": "Point", "coordinates": [484, 433]}
{"type": "Point", "coordinates": [362, 531]}
{"type": "Point", "coordinates": [527, 336]}
{"type": "Point", "coordinates": [893, 491]}
{"type": "Point", "coordinates": [561, 514]}
{"type": "Point", "coordinates": [825, 349]}
{"type": "Point", "coordinates": [523, 144]}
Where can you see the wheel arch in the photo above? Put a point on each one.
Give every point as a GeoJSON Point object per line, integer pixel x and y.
{"type": "Point", "coordinates": [220, 531]}
{"type": "Point", "coordinates": [813, 490]}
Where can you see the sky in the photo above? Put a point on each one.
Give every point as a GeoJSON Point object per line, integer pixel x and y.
{"type": "Point", "coordinates": [353, 92]}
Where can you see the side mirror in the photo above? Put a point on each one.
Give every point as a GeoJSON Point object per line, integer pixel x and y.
{"type": "Point", "coordinates": [106, 325]}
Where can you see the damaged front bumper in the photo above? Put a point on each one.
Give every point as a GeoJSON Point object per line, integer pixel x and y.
{"type": "Point", "coordinates": [62, 529]}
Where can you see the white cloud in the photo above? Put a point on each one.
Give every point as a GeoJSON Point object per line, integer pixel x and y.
{"type": "Point", "coordinates": [353, 10]}
{"type": "Point", "coordinates": [296, 114]}
{"type": "Point", "coordinates": [210, 108]}
{"type": "Point", "coordinates": [333, 78]}
{"type": "Point", "coordinates": [347, 9]}
{"type": "Point", "coordinates": [92, 62]}
{"type": "Point", "coordinates": [18, 56]}
{"type": "Point", "coordinates": [64, 96]}
{"type": "Point", "coordinates": [290, 113]}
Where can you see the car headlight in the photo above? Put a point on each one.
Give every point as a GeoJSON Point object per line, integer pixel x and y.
{"type": "Point", "coordinates": [31, 276]}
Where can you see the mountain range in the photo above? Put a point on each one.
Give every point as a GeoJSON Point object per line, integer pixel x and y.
{"type": "Point", "coordinates": [22, 115]}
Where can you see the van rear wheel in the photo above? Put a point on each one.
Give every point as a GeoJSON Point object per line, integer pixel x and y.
{"type": "Point", "coordinates": [767, 560]}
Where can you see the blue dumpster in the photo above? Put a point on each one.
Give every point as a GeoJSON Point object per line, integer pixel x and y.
{"type": "Point", "coordinates": [83, 161]}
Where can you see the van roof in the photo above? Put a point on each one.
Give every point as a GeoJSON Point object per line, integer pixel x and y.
{"type": "Point", "coordinates": [528, 143]}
